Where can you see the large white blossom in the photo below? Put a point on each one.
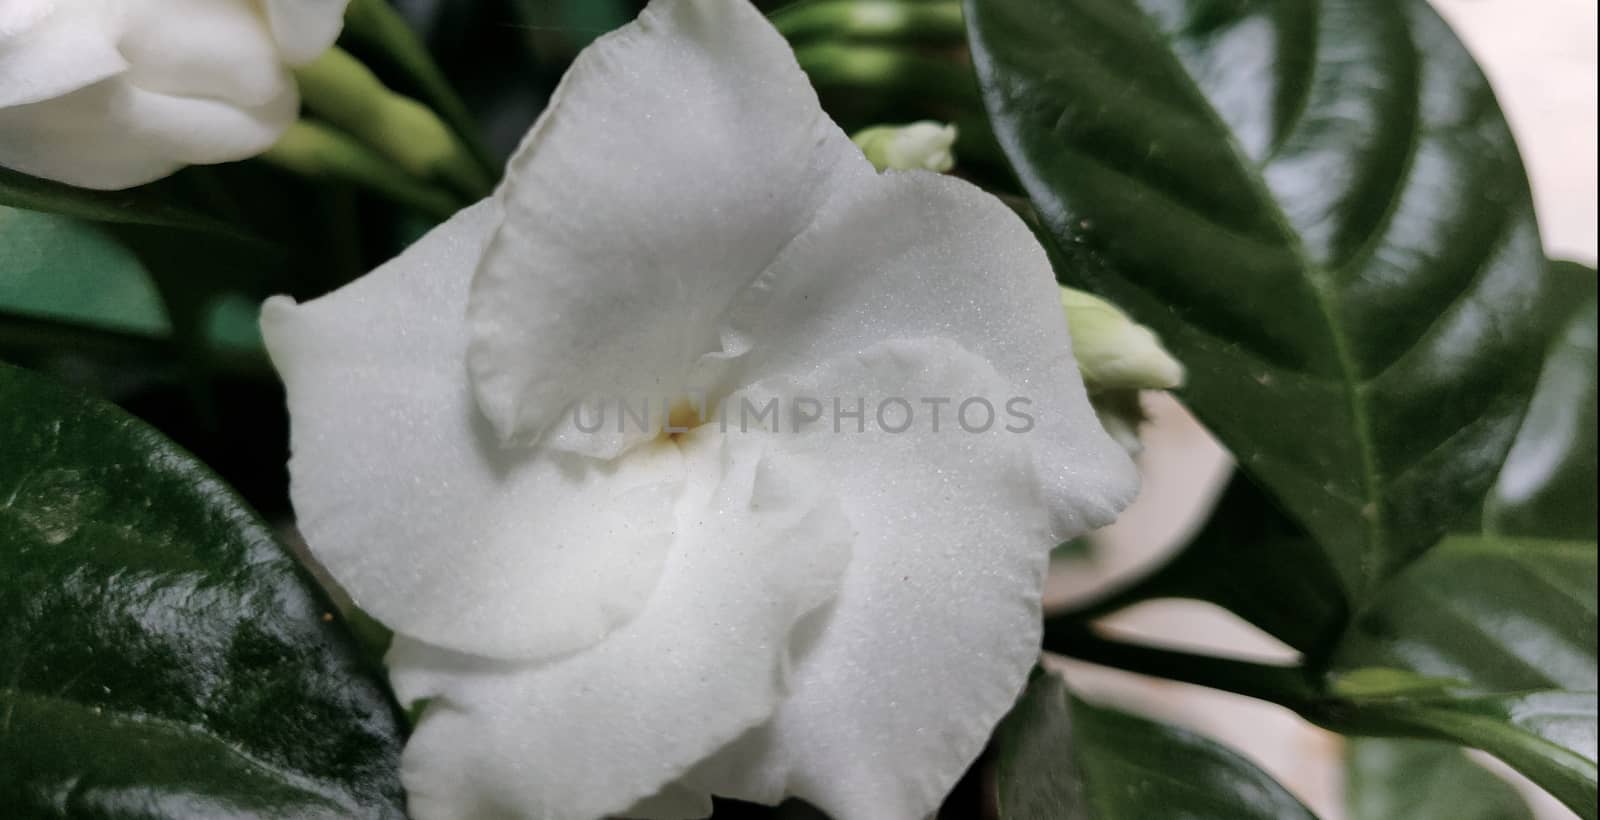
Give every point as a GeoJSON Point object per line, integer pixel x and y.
{"type": "Point", "coordinates": [625, 623]}
{"type": "Point", "coordinates": [115, 93]}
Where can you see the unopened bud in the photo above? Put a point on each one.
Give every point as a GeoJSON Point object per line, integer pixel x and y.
{"type": "Point", "coordinates": [924, 145]}
{"type": "Point", "coordinates": [1113, 351]}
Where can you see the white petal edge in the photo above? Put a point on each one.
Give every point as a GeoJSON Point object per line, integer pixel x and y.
{"type": "Point", "coordinates": [45, 53]}
{"type": "Point", "coordinates": [404, 496]}
{"type": "Point", "coordinates": [113, 135]}
{"type": "Point", "coordinates": [678, 157]}
{"type": "Point", "coordinates": [897, 687]}
{"type": "Point", "coordinates": [919, 255]}
{"type": "Point", "coordinates": [305, 28]}
{"type": "Point", "coordinates": [609, 728]}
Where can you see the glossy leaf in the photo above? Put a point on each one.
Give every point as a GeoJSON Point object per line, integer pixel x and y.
{"type": "Point", "coordinates": [1548, 484]}
{"type": "Point", "coordinates": [1503, 614]}
{"type": "Point", "coordinates": [161, 655]}
{"type": "Point", "coordinates": [1548, 736]}
{"type": "Point", "coordinates": [1321, 210]}
{"type": "Point", "coordinates": [1424, 780]}
{"type": "Point", "coordinates": [1061, 758]}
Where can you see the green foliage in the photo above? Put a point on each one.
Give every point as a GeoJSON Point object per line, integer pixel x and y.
{"type": "Point", "coordinates": [1423, 780]}
{"type": "Point", "coordinates": [1061, 758]}
{"type": "Point", "coordinates": [1348, 265]}
{"type": "Point", "coordinates": [161, 654]}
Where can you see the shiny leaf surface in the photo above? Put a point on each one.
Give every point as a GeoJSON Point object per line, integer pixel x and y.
{"type": "Point", "coordinates": [160, 655]}
{"type": "Point", "coordinates": [1061, 758]}
{"type": "Point", "coordinates": [1321, 210]}
{"type": "Point", "coordinates": [1501, 613]}
{"type": "Point", "coordinates": [1424, 780]}
{"type": "Point", "coordinates": [1548, 483]}
{"type": "Point", "coordinates": [1548, 736]}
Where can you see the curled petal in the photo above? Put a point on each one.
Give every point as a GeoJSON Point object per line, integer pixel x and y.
{"type": "Point", "coordinates": [596, 733]}
{"type": "Point", "coordinates": [404, 496]}
{"type": "Point", "coordinates": [897, 686]}
{"type": "Point", "coordinates": [44, 54]}
{"type": "Point", "coordinates": [679, 156]}
{"type": "Point", "coordinates": [114, 135]}
{"type": "Point", "coordinates": [915, 255]}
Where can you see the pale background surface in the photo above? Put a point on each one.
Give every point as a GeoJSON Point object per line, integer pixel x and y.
{"type": "Point", "coordinates": [1540, 56]}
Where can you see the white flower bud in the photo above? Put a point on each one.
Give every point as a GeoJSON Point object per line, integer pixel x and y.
{"type": "Point", "coordinates": [924, 145]}
{"type": "Point", "coordinates": [112, 95]}
{"type": "Point", "coordinates": [1113, 351]}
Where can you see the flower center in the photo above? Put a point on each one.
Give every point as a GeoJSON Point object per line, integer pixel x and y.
{"type": "Point", "coordinates": [683, 416]}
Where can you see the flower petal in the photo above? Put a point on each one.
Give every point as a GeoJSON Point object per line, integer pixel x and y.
{"type": "Point", "coordinates": [45, 53]}
{"type": "Point", "coordinates": [897, 688]}
{"type": "Point", "coordinates": [305, 28]}
{"type": "Point", "coordinates": [679, 156]}
{"type": "Point", "coordinates": [598, 732]}
{"type": "Point", "coordinates": [917, 255]}
{"type": "Point", "coordinates": [215, 49]}
{"type": "Point", "coordinates": [114, 135]}
{"type": "Point", "coordinates": [403, 495]}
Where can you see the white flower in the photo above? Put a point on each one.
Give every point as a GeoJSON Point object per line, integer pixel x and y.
{"type": "Point", "coordinates": [627, 622]}
{"type": "Point", "coordinates": [115, 93]}
{"type": "Point", "coordinates": [924, 145]}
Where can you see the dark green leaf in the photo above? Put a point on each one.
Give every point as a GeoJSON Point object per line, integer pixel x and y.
{"type": "Point", "coordinates": [1321, 210]}
{"type": "Point", "coordinates": [1548, 736]}
{"type": "Point", "coordinates": [160, 654]}
{"type": "Point", "coordinates": [1424, 780]}
{"type": "Point", "coordinates": [1504, 614]}
{"type": "Point", "coordinates": [159, 204]}
{"type": "Point", "coordinates": [1548, 484]}
{"type": "Point", "coordinates": [1061, 758]}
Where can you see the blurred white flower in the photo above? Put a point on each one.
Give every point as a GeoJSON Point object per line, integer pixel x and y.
{"type": "Point", "coordinates": [115, 94]}
{"type": "Point", "coordinates": [924, 145]}
{"type": "Point", "coordinates": [629, 620]}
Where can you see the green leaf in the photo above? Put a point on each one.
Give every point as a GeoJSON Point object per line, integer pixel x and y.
{"type": "Point", "coordinates": [160, 654]}
{"type": "Point", "coordinates": [1548, 736]}
{"type": "Point", "coordinates": [74, 271]}
{"type": "Point", "coordinates": [1510, 616]}
{"type": "Point", "coordinates": [1548, 484]}
{"type": "Point", "coordinates": [1505, 614]}
{"type": "Point", "coordinates": [1423, 780]}
{"type": "Point", "coordinates": [1321, 210]}
{"type": "Point", "coordinates": [159, 204]}
{"type": "Point", "coordinates": [1061, 758]}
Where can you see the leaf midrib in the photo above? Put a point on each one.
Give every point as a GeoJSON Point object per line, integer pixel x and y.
{"type": "Point", "coordinates": [1319, 281]}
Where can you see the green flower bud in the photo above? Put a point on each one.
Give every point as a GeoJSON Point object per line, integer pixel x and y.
{"type": "Point", "coordinates": [920, 145]}
{"type": "Point", "coordinates": [1113, 351]}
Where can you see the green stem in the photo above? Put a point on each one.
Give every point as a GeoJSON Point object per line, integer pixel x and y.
{"type": "Point", "coordinates": [340, 90]}
{"type": "Point", "coordinates": [893, 20]}
{"type": "Point", "coordinates": [318, 152]}
{"type": "Point", "coordinates": [1288, 686]}
{"type": "Point", "coordinates": [890, 71]}
{"type": "Point", "coordinates": [377, 23]}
